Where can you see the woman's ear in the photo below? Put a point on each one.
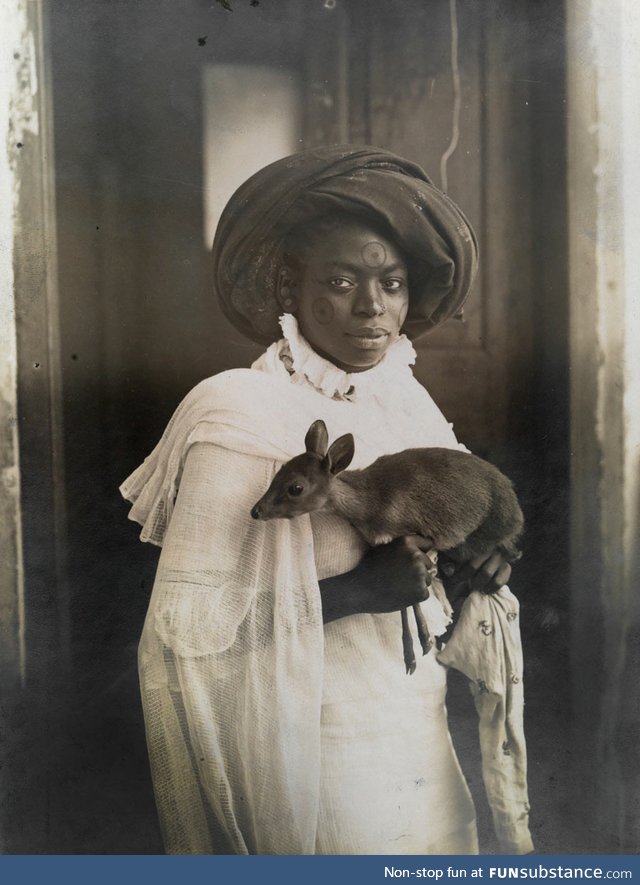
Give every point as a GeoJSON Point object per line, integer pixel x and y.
{"type": "Point", "coordinates": [287, 287]}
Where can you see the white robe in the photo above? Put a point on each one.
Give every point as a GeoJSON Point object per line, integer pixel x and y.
{"type": "Point", "coordinates": [269, 733]}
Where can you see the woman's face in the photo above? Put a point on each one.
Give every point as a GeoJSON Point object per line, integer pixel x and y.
{"type": "Point", "coordinates": [352, 297]}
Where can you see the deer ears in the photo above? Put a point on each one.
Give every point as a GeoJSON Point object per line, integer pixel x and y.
{"type": "Point", "coordinates": [317, 439]}
{"type": "Point", "coordinates": [339, 454]}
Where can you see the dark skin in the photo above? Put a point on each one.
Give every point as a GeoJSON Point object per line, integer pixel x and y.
{"type": "Point", "coordinates": [394, 576]}
{"type": "Point", "coordinates": [357, 279]}
{"type": "Point", "coordinates": [387, 578]}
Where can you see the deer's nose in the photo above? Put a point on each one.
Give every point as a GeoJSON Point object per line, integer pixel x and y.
{"type": "Point", "coordinates": [255, 511]}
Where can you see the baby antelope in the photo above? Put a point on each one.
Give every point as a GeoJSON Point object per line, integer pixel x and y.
{"type": "Point", "coordinates": [463, 505]}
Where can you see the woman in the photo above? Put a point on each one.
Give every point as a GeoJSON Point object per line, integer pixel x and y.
{"type": "Point", "coordinates": [279, 717]}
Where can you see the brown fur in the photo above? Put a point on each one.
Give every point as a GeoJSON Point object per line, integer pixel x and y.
{"type": "Point", "coordinates": [465, 505]}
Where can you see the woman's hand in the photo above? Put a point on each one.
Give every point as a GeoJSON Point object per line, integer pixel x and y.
{"type": "Point", "coordinates": [388, 578]}
{"type": "Point", "coordinates": [487, 573]}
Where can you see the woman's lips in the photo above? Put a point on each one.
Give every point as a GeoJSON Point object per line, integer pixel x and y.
{"type": "Point", "coordinates": [368, 339]}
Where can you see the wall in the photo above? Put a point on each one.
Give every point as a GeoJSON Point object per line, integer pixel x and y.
{"type": "Point", "coordinates": [604, 189]}
{"type": "Point", "coordinates": [15, 108]}
{"type": "Point", "coordinates": [33, 601]}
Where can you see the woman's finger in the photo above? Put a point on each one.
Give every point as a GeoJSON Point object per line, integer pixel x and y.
{"type": "Point", "coordinates": [489, 577]}
{"type": "Point", "coordinates": [486, 572]}
{"type": "Point", "coordinates": [503, 575]}
{"type": "Point", "coordinates": [469, 570]}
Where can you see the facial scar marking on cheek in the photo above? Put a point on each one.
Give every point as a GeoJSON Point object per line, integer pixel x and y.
{"type": "Point", "coordinates": [374, 254]}
{"type": "Point", "coordinates": [323, 311]}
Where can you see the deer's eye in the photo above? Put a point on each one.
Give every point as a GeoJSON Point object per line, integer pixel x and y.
{"type": "Point", "coordinates": [295, 489]}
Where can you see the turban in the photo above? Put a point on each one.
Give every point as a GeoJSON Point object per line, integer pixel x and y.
{"type": "Point", "coordinates": [369, 183]}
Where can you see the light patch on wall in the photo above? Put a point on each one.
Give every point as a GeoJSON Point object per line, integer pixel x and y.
{"type": "Point", "coordinates": [630, 191]}
{"type": "Point", "coordinates": [252, 116]}
{"type": "Point", "coordinates": [18, 121]}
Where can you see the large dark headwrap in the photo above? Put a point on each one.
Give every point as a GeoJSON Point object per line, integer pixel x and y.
{"type": "Point", "coordinates": [370, 183]}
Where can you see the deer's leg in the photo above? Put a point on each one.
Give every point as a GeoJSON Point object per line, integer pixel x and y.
{"type": "Point", "coordinates": [423, 630]}
{"type": "Point", "coordinates": [407, 643]}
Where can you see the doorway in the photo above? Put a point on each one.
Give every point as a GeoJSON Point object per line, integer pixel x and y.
{"type": "Point", "coordinates": [139, 119]}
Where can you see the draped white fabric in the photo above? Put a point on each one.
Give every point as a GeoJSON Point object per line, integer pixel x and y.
{"type": "Point", "coordinates": [231, 668]}
{"type": "Point", "coordinates": [266, 732]}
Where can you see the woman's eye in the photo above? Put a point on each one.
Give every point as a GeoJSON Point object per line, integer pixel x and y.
{"type": "Point", "coordinates": [295, 489]}
{"type": "Point", "coordinates": [340, 283]}
{"type": "Point", "coordinates": [393, 285]}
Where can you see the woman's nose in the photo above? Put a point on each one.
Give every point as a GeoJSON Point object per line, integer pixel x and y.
{"type": "Point", "coordinates": [370, 300]}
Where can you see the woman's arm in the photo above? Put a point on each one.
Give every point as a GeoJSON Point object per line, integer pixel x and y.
{"type": "Point", "coordinates": [388, 578]}
{"type": "Point", "coordinates": [394, 576]}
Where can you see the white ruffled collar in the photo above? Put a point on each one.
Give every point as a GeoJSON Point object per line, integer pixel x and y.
{"type": "Point", "coordinates": [301, 359]}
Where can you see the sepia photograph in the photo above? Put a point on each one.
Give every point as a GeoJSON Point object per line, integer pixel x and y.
{"type": "Point", "coordinates": [320, 427]}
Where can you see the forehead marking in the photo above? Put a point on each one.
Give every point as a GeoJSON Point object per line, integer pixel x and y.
{"type": "Point", "coordinates": [374, 254]}
{"type": "Point", "coordinates": [322, 310]}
